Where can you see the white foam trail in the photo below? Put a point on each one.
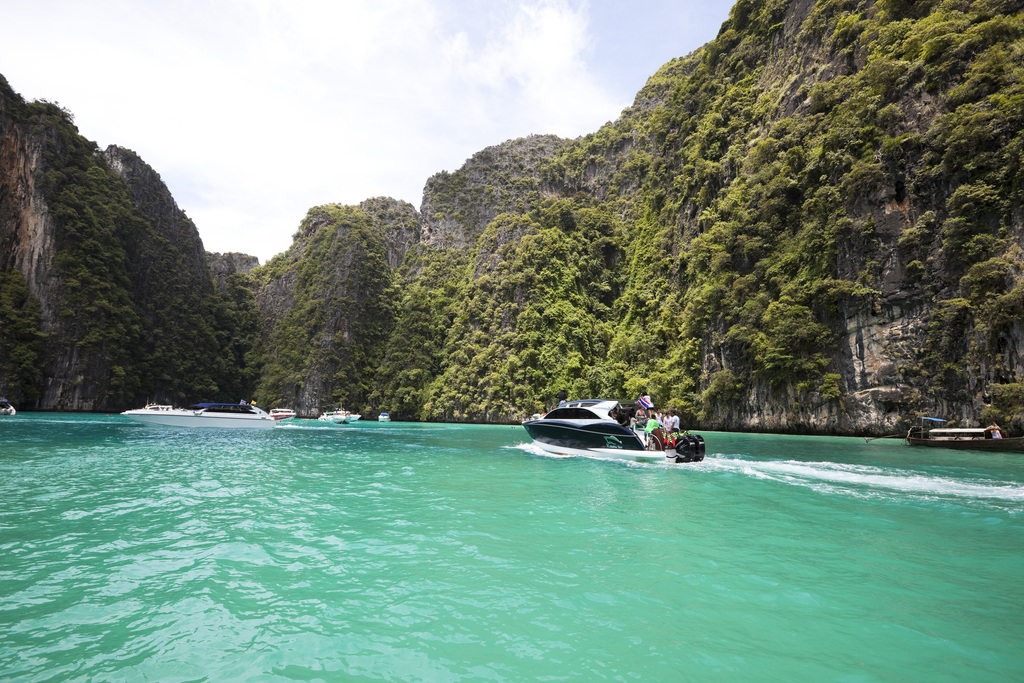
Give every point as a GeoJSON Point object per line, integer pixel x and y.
{"type": "Point", "coordinates": [536, 450]}
{"type": "Point", "coordinates": [867, 480]}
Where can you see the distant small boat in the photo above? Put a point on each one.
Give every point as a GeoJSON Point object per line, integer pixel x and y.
{"type": "Point", "coordinates": [204, 415]}
{"type": "Point", "coordinates": [339, 416]}
{"type": "Point", "coordinates": [962, 438]}
{"type": "Point", "coordinates": [383, 417]}
{"type": "Point", "coordinates": [6, 408]}
{"type": "Point", "coordinates": [282, 413]}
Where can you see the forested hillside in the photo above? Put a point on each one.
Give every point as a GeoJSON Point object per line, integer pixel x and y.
{"type": "Point", "coordinates": [813, 223]}
{"type": "Point", "coordinates": [106, 298]}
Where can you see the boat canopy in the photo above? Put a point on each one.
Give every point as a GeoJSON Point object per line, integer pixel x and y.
{"type": "Point", "coordinates": [225, 407]}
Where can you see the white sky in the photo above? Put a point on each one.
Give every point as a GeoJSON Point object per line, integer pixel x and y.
{"type": "Point", "coordinates": [253, 111]}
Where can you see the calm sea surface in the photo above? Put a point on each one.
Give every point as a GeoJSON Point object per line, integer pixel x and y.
{"type": "Point", "coordinates": [406, 552]}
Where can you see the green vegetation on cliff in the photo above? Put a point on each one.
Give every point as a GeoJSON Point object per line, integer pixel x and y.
{"type": "Point", "coordinates": [324, 344]}
{"type": "Point", "coordinates": [801, 176]}
{"type": "Point", "coordinates": [816, 218]}
{"type": "Point", "coordinates": [795, 175]}
{"type": "Point", "coordinates": [133, 315]}
{"type": "Point", "coordinates": [22, 342]}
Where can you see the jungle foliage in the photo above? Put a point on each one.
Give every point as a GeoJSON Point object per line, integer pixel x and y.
{"type": "Point", "coordinates": [715, 241]}
{"type": "Point", "coordinates": [329, 338]}
{"type": "Point", "coordinates": [799, 177]}
{"type": "Point", "coordinates": [133, 318]}
{"type": "Point", "coordinates": [22, 342]}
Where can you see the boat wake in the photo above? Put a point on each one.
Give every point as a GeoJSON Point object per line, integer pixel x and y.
{"type": "Point", "coordinates": [869, 481]}
{"type": "Point", "coordinates": [861, 481]}
{"type": "Point", "coordinates": [537, 450]}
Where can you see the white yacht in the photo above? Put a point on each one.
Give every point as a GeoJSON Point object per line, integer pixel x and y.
{"type": "Point", "coordinates": [282, 413]}
{"type": "Point", "coordinates": [204, 415]}
{"type": "Point", "coordinates": [339, 416]}
{"type": "Point", "coordinates": [383, 417]}
{"type": "Point", "coordinates": [6, 408]}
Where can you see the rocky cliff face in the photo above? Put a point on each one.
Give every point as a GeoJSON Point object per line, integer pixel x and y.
{"type": "Point", "coordinates": [125, 297]}
{"type": "Point", "coordinates": [223, 266]}
{"type": "Point", "coordinates": [399, 224]}
{"type": "Point", "coordinates": [458, 206]}
{"type": "Point", "coordinates": [327, 305]}
{"type": "Point", "coordinates": [812, 224]}
{"type": "Point", "coordinates": [26, 229]}
{"type": "Point", "coordinates": [29, 245]}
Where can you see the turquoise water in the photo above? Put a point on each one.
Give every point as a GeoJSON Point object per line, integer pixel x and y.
{"type": "Point", "coordinates": [460, 553]}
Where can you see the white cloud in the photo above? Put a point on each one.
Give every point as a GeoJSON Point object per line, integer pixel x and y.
{"type": "Point", "coordinates": [254, 111]}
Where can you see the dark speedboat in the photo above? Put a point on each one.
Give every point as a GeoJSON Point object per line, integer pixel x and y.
{"type": "Point", "coordinates": [590, 427]}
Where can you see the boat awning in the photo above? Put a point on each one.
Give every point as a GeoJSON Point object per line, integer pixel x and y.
{"type": "Point", "coordinates": [934, 419]}
{"type": "Point", "coordinates": [972, 431]}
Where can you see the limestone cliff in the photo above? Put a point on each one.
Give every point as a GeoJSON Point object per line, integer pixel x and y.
{"type": "Point", "coordinates": [125, 297]}
{"type": "Point", "coordinates": [811, 224]}
{"type": "Point", "coordinates": [327, 305]}
{"type": "Point", "coordinates": [222, 266]}
{"type": "Point", "coordinates": [457, 206]}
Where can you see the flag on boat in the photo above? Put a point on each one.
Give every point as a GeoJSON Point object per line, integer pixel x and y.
{"type": "Point", "coordinates": [645, 402]}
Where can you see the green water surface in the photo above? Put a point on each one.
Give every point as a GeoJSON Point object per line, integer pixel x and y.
{"type": "Point", "coordinates": [402, 552]}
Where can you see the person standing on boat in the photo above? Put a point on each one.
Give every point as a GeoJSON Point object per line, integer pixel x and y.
{"type": "Point", "coordinates": [995, 431]}
{"type": "Point", "coordinates": [655, 434]}
{"type": "Point", "coordinates": [562, 397]}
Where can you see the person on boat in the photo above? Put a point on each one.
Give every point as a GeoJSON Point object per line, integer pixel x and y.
{"type": "Point", "coordinates": [639, 418]}
{"type": "Point", "coordinates": [994, 430]}
{"type": "Point", "coordinates": [655, 434]}
{"type": "Point", "coordinates": [673, 422]}
{"type": "Point", "coordinates": [620, 416]}
{"type": "Point", "coordinates": [562, 397]}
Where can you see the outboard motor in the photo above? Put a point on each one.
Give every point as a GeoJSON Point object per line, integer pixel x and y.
{"type": "Point", "coordinates": [689, 448]}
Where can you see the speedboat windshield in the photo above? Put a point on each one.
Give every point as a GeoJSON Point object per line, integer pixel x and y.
{"type": "Point", "coordinates": [224, 407]}
{"type": "Point", "coordinates": [572, 414]}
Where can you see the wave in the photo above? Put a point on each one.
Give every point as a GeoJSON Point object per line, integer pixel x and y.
{"type": "Point", "coordinates": [866, 481]}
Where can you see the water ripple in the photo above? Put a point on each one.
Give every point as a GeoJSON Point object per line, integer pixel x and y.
{"type": "Point", "coordinates": [304, 554]}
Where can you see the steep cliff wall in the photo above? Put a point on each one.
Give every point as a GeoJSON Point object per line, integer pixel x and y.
{"type": "Point", "coordinates": [811, 224]}
{"type": "Point", "coordinates": [27, 250]}
{"type": "Point", "coordinates": [817, 229]}
{"type": "Point", "coordinates": [223, 266]}
{"type": "Point", "coordinates": [458, 206]}
{"type": "Point", "coordinates": [126, 304]}
{"type": "Point", "coordinates": [327, 306]}
{"type": "Point", "coordinates": [39, 143]}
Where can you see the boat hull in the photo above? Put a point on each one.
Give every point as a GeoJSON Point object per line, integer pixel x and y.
{"type": "Point", "coordinates": [339, 418]}
{"type": "Point", "coordinates": [602, 439]}
{"type": "Point", "coordinates": [608, 453]}
{"type": "Point", "coordinates": [188, 418]}
{"type": "Point", "coordinates": [1006, 445]}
